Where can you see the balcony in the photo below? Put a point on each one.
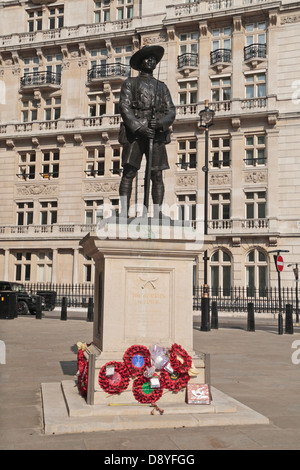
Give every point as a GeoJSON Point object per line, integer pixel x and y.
{"type": "Point", "coordinates": [187, 61]}
{"type": "Point", "coordinates": [100, 72]}
{"type": "Point", "coordinates": [37, 232]}
{"type": "Point", "coordinates": [255, 54]}
{"type": "Point", "coordinates": [239, 226]}
{"type": "Point", "coordinates": [220, 58]}
{"type": "Point", "coordinates": [41, 80]}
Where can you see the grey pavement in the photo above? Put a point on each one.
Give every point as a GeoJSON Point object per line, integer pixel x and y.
{"type": "Point", "coordinates": [260, 369]}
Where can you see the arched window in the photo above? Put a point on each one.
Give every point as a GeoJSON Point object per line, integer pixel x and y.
{"type": "Point", "coordinates": [220, 269]}
{"type": "Point", "coordinates": [256, 273]}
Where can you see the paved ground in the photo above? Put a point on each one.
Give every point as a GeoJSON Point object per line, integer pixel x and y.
{"type": "Point", "coordinates": [260, 369]}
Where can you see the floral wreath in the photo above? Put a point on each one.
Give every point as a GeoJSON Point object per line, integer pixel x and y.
{"type": "Point", "coordinates": [116, 383]}
{"type": "Point", "coordinates": [143, 393]}
{"type": "Point", "coordinates": [82, 372]}
{"type": "Point", "coordinates": [175, 381]}
{"type": "Point", "coordinates": [181, 364]}
{"type": "Point", "coordinates": [137, 358]}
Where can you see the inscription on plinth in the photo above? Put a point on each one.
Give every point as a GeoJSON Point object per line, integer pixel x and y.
{"type": "Point", "coordinates": [149, 309]}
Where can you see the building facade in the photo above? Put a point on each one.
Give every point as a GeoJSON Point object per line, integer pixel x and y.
{"type": "Point", "coordinates": [62, 64]}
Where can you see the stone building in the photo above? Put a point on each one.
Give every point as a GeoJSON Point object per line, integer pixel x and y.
{"type": "Point", "coordinates": [62, 64]}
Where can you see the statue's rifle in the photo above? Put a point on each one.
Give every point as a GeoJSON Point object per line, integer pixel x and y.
{"type": "Point", "coordinates": [150, 157]}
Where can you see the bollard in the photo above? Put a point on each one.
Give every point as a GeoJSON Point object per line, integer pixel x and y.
{"type": "Point", "coordinates": [289, 329]}
{"type": "Point", "coordinates": [205, 323]}
{"type": "Point", "coordinates": [63, 313]}
{"type": "Point", "coordinates": [250, 317]}
{"type": "Point", "coordinates": [38, 311]}
{"type": "Point", "coordinates": [214, 316]}
{"type": "Point", "coordinates": [90, 312]}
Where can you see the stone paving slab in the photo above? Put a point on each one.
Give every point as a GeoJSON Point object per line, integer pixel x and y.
{"type": "Point", "coordinates": [65, 412]}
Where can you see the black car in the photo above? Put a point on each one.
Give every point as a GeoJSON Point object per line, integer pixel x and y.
{"type": "Point", "coordinates": [27, 302]}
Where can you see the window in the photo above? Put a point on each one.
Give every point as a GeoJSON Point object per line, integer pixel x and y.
{"type": "Point", "coordinates": [97, 104]}
{"type": "Point", "coordinates": [22, 266]}
{"type": "Point", "coordinates": [31, 65]}
{"type": "Point", "coordinates": [95, 162]}
{"type": "Point", "coordinates": [256, 203]}
{"type": "Point", "coordinates": [187, 207]}
{"type": "Point", "coordinates": [102, 11]}
{"type": "Point", "coordinates": [56, 17]}
{"type": "Point", "coordinates": [220, 206]}
{"type": "Point", "coordinates": [87, 267]}
{"type": "Point", "coordinates": [97, 63]}
{"type": "Point", "coordinates": [221, 45]}
{"type": "Point", "coordinates": [255, 85]}
{"type": "Point", "coordinates": [44, 266]}
{"type": "Point", "coordinates": [54, 64]}
{"type": "Point", "coordinates": [48, 212]}
{"type": "Point", "coordinates": [220, 153]}
{"type": "Point", "coordinates": [256, 273]}
{"type": "Point", "coordinates": [116, 99]}
{"type": "Point", "coordinates": [116, 161]}
{"type": "Point", "coordinates": [220, 270]}
{"type": "Point", "coordinates": [24, 213]}
{"type": "Point", "coordinates": [221, 89]}
{"type": "Point", "coordinates": [123, 54]}
{"type": "Point", "coordinates": [27, 162]}
{"type": "Point", "coordinates": [188, 92]}
{"type": "Point", "coordinates": [187, 154]}
{"type": "Point", "coordinates": [29, 110]}
{"type": "Point", "coordinates": [255, 33]}
{"type": "Point", "coordinates": [188, 43]}
{"type": "Point", "coordinates": [52, 108]}
{"type": "Point", "coordinates": [93, 211]}
{"type": "Point", "coordinates": [50, 164]}
{"type": "Point", "coordinates": [255, 150]}
{"type": "Point", "coordinates": [124, 9]}
{"type": "Point", "coordinates": [35, 22]}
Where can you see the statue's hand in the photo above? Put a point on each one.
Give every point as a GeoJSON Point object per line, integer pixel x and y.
{"type": "Point", "coordinates": [146, 132]}
{"type": "Point", "coordinates": [154, 124]}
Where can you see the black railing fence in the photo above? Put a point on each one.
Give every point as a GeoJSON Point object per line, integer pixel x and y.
{"type": "Point", "coordinates": [236, 299]}
{"type": "Point", "coordinates": [77, 294]}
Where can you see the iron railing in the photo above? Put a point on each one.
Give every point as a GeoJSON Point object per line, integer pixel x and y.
{"type": "Point", "coordinates": [220, 55]}
{"type": "Point", "coordinates": [108, 70]}
{"type": "Point", "coordinates": [187, 60]}
{"type": "Point", "coordinates": [255, 51]}
{"type": "Point", "coordinates": [77, 294]}
{"type": "Point", "coordinates": [236, 299]}
{"type": "Point", "coordinates": [41, 78]}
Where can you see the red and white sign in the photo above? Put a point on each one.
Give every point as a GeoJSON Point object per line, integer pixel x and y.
{"type": "Point", "coordinates": [279, 263]}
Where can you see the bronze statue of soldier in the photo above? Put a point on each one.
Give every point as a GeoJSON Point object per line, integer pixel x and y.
{"type": "Point", "coordinates": [147, 112]}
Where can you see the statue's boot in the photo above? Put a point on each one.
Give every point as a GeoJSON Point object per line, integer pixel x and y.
{"type": "Point", "coordinates": [158, 191]}
{"type": "Point", "coordinates": [125, 190]}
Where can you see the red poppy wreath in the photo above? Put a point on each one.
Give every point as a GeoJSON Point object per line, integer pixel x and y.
{"type": "Point", "coordinates": [143, 393]}
{"type": "Point", "coordinates": [82, 368]}
{"type": "Point", "coordinates": [174, 381]}
{"type": "Point", "coordinates": [137, 358]}
{"type": "Point", "coordinates": [118, 381]}
{"type": "Point", "coordinates": [182, 365]}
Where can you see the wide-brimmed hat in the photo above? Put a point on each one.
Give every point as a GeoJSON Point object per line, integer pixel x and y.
{"type": "Point", "coordinates": [146, 51]}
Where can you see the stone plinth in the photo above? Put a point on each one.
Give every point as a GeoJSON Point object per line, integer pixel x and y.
{"type": "Point", "coordinates": [143, 290]}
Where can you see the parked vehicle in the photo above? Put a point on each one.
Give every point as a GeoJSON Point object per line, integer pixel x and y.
{"type": "Point", "coordinates": [27, 302]}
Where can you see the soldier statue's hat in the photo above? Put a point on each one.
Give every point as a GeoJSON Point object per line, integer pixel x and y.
{"type": "Point", "coordinates": [146, 51]}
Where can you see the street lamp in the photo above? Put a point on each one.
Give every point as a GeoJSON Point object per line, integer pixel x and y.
{"type": "Point", "coordinates": [295, 269]}
{"type": "Point", "coordinates": [206, 120]}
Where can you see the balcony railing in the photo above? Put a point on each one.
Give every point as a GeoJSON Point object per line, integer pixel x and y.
{"type": "Point", "coordinates": [255, 51]}
{"type": "Point", "coordinates": [187, 60]}
{"type": "Point", "coordinates": [220, 55]}
{"type": "Point", "coordinates": [40, 78]}
{"type": "Point", "coordinates": [108, 70]}
{"type": "Point", "coordinates": [238, 226]}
